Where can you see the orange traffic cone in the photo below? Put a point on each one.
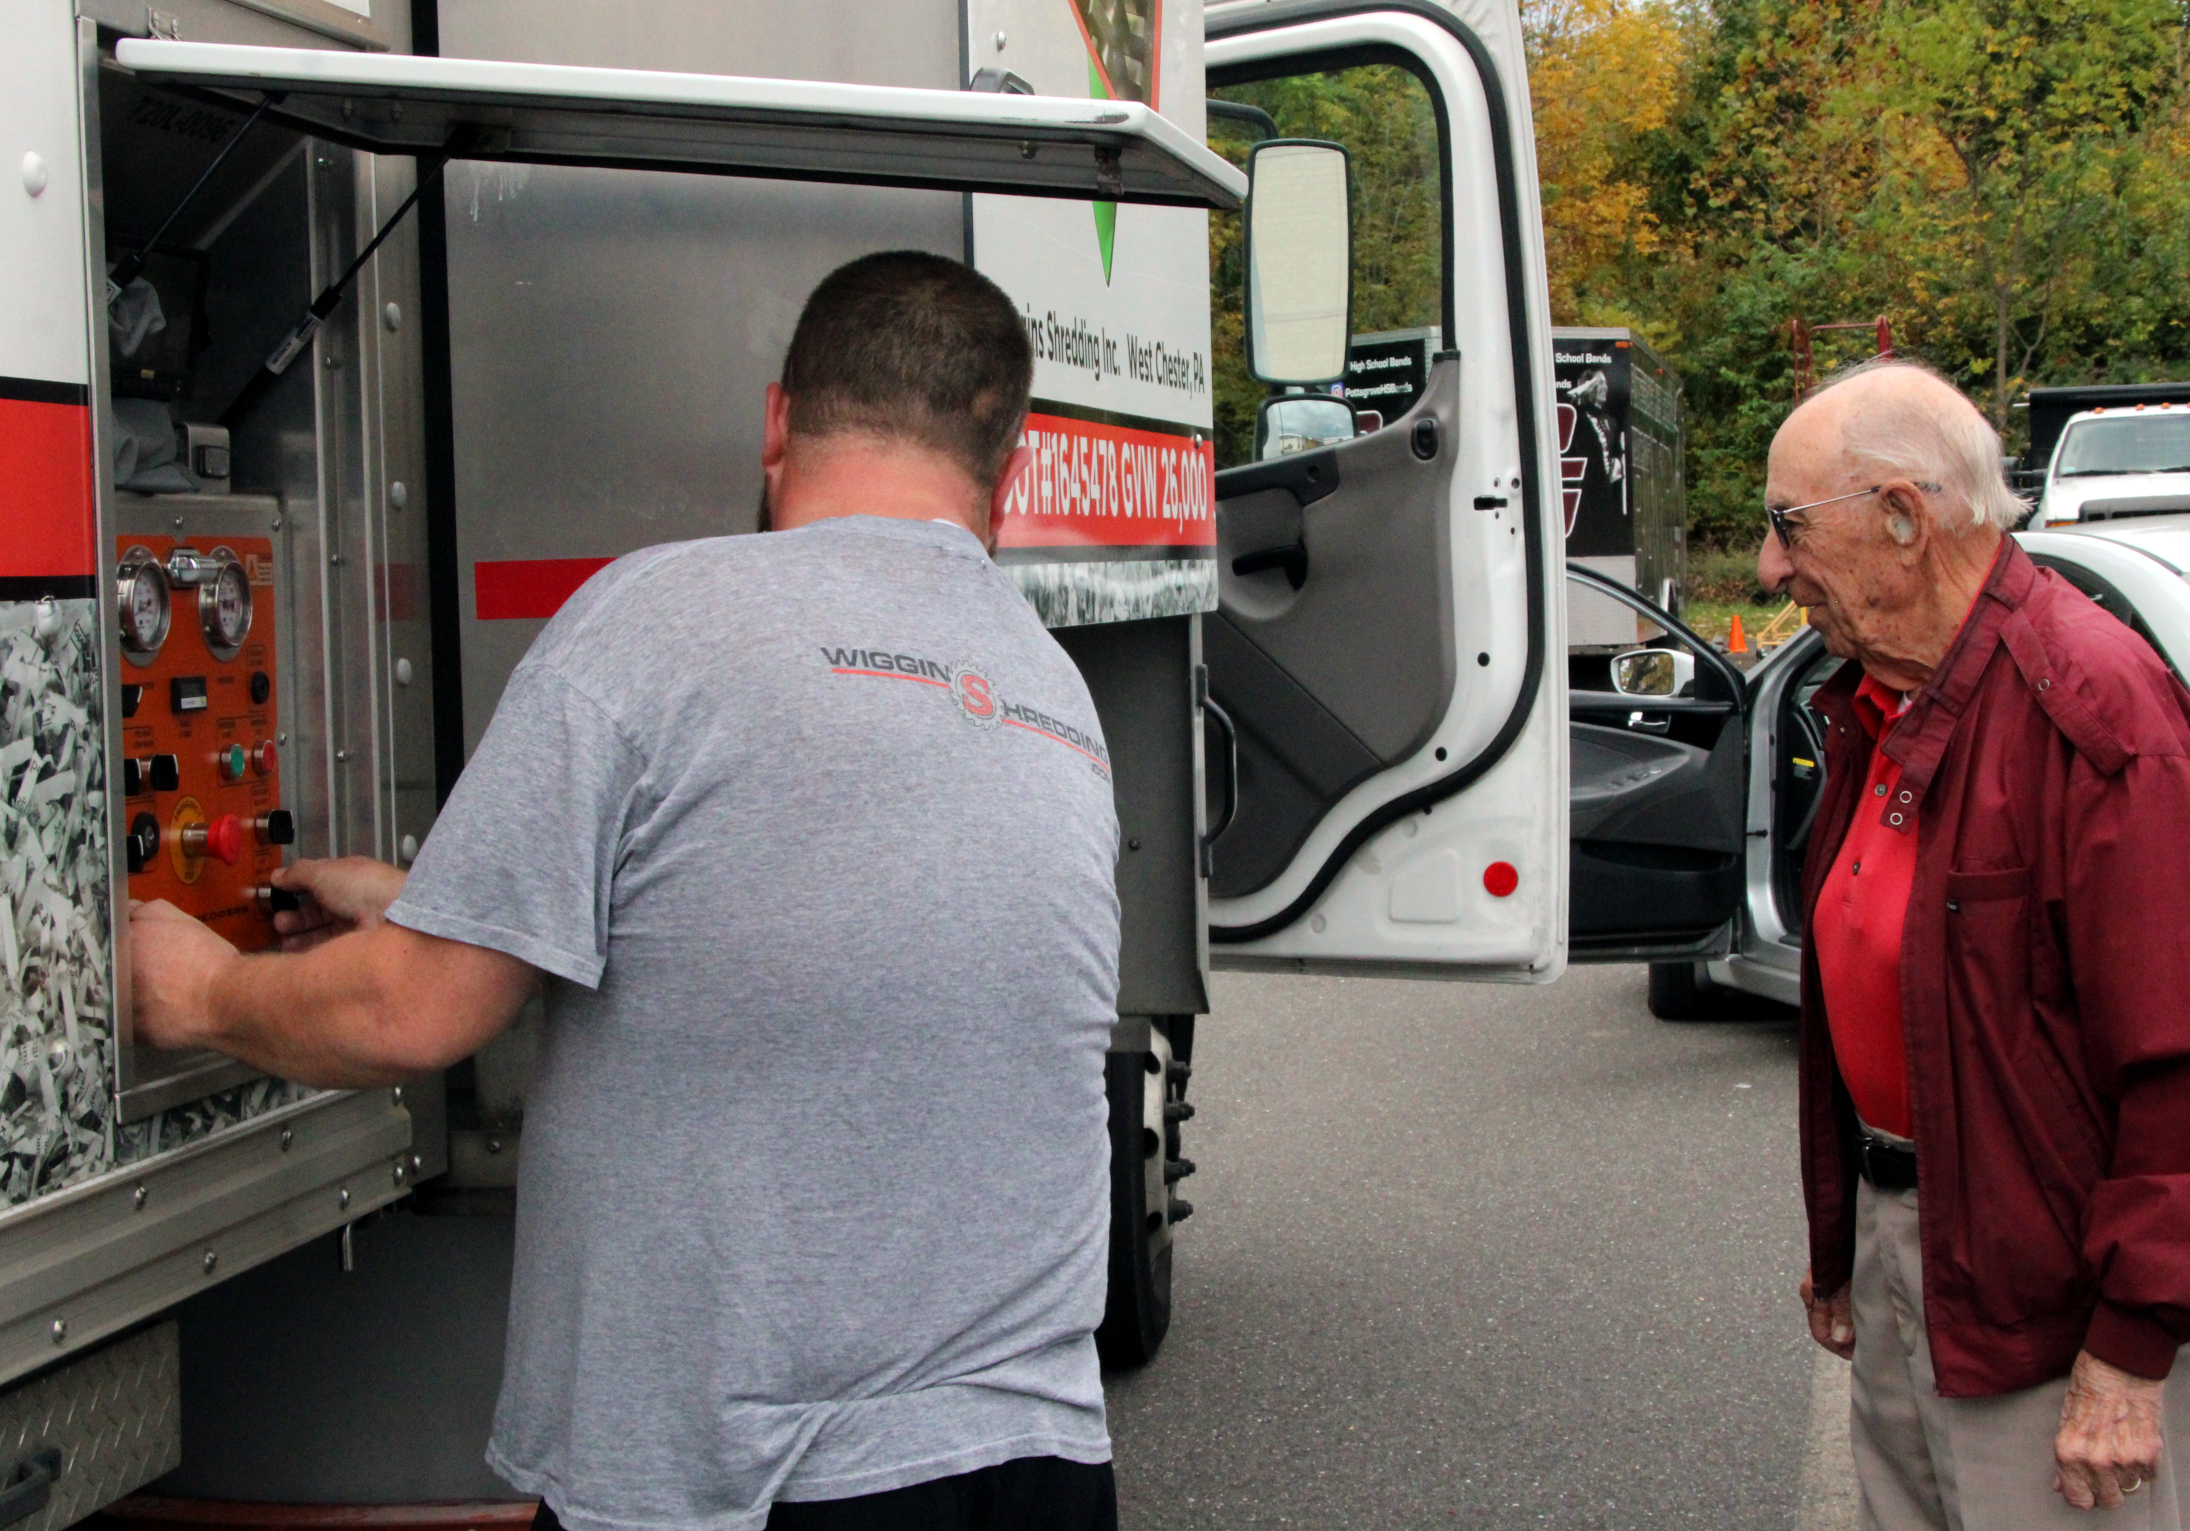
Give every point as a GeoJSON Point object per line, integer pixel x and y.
{"type": "Point", "coordinates": [1735, 642]}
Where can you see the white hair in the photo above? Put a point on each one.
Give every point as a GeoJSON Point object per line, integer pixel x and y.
{"type": "Point", "coordinates": [1957, 449]}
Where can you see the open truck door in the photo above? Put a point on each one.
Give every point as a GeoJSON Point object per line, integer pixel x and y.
{"type": "Point", "coordinates": [1387, 643]}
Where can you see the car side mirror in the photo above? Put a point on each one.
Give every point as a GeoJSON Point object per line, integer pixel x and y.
{"type": "Point", "coordinates": [1301, 422]}
{"type": "Point", "coordinates": [1653, 672]}
{"type": "Point", "coordinates": [1299, 262]}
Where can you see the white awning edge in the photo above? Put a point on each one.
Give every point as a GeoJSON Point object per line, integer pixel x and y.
{"type": "Point", "coordinates": [561, 114]}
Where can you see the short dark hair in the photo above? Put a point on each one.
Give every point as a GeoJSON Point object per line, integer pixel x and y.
{"type": "Point", "coordinates": [913, 346]}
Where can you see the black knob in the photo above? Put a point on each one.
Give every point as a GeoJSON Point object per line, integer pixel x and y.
{"type": "Point", "coordinates": [272, 900]}
{"type": "Point", "coordinates": [142, 841]}
{"type": "Point", "coordinates": [166, 773]}
{"type": "Point", "coordinates": [262, 687]}
{"type": "Point", "coordinates": [133, 784]}
{"type": "Point", "coordinates": [131, 696]}
{"type": "Point", "coordinates": [277, 828]}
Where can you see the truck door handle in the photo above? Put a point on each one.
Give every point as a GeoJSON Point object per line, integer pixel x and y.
{"type": "Point", "coordinates": [1292, 558]}
{"type": "Point", "coordinates": [1223, 720]}
{"type": "Point", "coordinates": [30, 1485]}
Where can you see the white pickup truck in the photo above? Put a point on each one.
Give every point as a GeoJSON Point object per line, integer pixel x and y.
{"type": "Point", "coordinates": [2126, 461]}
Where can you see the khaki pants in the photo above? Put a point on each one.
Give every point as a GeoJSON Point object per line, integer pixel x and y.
{"type": "Point", "coordinates": [1965, 1464]}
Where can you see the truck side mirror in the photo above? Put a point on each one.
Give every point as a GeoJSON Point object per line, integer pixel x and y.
{"type": "Point", "coordinates": [1299, 262]}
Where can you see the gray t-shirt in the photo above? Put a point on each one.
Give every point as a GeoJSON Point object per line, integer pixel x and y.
{"type": "Point", "coordinates": [814, 831]}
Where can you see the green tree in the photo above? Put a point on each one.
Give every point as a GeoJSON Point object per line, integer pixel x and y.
{"type": "Point", "coordinates": [2013, 133]}
{"type": "Point", "coordinates": [2008, 181]}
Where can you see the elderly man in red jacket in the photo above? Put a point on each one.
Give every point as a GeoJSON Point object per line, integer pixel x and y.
{"type": "Point", "coordinates": [1995, 1056]}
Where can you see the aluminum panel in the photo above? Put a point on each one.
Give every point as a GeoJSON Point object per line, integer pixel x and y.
{"type": "Point", "coordinates": [115, 1416]}
{"type": "Point", "coordinates": [86, 1263]}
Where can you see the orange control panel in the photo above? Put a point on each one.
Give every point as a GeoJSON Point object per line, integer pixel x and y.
{"type": "Point", "coordinates": [201, 767]}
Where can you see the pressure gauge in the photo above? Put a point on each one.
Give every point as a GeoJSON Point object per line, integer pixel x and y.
{"type": "Point", "coordinates": [224, 605]}
{"type": "Point", "coordinates": [141, 596]}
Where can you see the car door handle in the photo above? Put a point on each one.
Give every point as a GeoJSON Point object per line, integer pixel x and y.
{"type": "Point", "coordinates": [1292, 558]}
{"type": "Point", "coordinates": [1650, 722]}
{"type": "Point", "coordinates": [1223, 720]}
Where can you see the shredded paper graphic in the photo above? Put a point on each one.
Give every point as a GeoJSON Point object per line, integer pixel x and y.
{"type": "Point", "coordinates": [56, 1005]}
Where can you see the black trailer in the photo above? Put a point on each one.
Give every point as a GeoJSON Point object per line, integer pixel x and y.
{"type": "Point", "coordinates": [1623, 481]}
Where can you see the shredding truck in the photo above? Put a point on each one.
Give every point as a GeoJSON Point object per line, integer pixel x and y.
{"type": "Point", "coordinates": [341, 340]}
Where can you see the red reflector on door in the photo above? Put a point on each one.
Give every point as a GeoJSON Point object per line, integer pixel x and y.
{"type": "Point", "coordinates": [529, 587]}
{"type": "Point", "coordinates": [1500, 878]}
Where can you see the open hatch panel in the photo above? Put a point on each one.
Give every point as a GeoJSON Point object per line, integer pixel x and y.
{"type": "Point", "coordinates": [550, 114]}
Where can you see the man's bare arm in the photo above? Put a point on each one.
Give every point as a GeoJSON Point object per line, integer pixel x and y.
{"type": "Point", "coordinates": [373, 1005]}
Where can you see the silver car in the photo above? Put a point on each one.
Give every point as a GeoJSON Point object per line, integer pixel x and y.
{"type": "Point", "coordinates": [1695, 784]}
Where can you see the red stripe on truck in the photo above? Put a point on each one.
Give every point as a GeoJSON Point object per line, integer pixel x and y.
{"type": "Point", "coordinates": [513, 588]}
{"type": "Point", "coordinates": [46, 529]}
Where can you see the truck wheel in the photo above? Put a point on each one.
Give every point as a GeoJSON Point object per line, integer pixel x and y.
{"type": "Point", "coordinates": [1137, 1314]}
{"type": "Point", "coordinates": [1677, 995]}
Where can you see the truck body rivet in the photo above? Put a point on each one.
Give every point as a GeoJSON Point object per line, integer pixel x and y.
{"type": "Point", "coordinates": [60, 1331]}
{"type": "Point", "coordinates": [211, 1260]}
{"type": "Point", "coordinates": [139, 1197]}
{"type": "Point", "coordinates": [342, 1197]}
{"type": "Point", "coordinates": [395, 1096]}
{"type": "Point", "coordinates": [288, 1140]}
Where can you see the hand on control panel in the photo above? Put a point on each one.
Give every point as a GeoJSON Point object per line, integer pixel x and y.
{"type": "Point", "coordinates": [334, 898]}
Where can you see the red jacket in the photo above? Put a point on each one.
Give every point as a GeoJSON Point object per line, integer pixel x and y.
{"type": "Point", "coordinates": [2045, 985]}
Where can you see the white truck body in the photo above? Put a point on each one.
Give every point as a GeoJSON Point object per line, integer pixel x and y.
{"type": "Point", "coordinates": [560, 359]}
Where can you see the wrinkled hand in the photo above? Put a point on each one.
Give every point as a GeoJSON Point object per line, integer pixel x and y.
{"type": "Point", "coordinates": [174, 962]}
{"type": "Point", "coordinates": [2109, 1443]}
{"type": "Point", "coordinates": [337, 897]}
{"type": "Point", "coordinates": [1832, 1319]}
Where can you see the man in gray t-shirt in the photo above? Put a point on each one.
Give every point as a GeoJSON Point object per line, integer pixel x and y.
{"type": "Point", "coordinates": [809, 838]}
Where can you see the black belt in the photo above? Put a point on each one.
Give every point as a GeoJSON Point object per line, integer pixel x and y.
{"type": "Point", "coordinates": [1883, 1165]}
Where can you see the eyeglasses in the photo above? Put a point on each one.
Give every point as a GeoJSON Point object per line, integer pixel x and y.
{"type": "Point", "coordinates": [1788, 530]}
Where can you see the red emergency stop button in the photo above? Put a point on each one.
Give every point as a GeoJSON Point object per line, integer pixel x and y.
{"type": "Point", "coordinates": [1500, 878]}
{"type": "Point", "coordinates": [222, 839]}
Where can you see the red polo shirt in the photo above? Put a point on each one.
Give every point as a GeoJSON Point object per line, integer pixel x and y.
{"type": "Point", "coordinates": [1857, 930]}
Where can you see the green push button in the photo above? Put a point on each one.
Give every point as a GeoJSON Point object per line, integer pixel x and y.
{"type": "Point", "coordinates": [234, 762]}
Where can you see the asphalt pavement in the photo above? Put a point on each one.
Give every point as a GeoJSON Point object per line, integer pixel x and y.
{"type": "Point", "coordinates": [1485, 1256]}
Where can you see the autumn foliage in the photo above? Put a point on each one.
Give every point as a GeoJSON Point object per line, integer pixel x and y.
{"type": "Point", "coordinates": [2007, 180]}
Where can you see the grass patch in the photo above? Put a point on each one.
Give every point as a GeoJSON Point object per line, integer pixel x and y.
{"type": "Point", "coordinates": [1722, 583]}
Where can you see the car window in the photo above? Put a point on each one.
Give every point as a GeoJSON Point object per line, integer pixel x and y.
{"type": "Point", "coordinates": [2106, 596]}
{"type": "Point", "coordinates": [1388, 120]}
{"type": "Point", "coordinates": [2126, 444]}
